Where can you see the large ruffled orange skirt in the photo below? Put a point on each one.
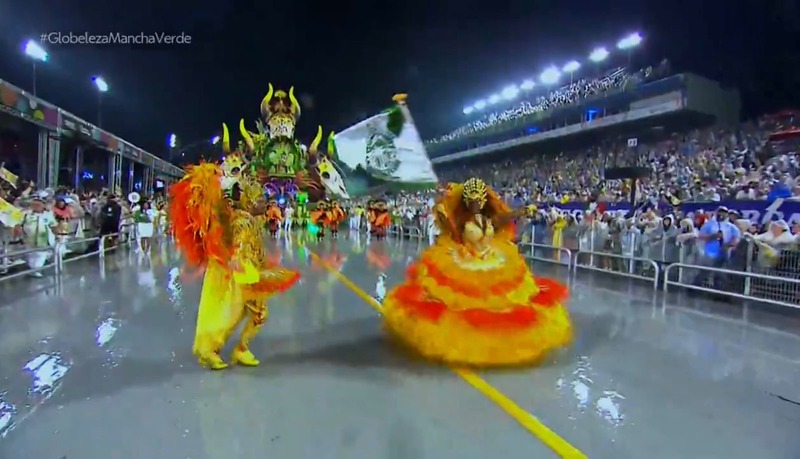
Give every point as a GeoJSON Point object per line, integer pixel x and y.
{"type": "Point", "coordinates": [484, 311]}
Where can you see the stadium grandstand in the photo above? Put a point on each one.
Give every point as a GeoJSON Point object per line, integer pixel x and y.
{"type": "Point", "coordinates": [684, 128]}
{"type": "Point", "coordinates": [550, 150]}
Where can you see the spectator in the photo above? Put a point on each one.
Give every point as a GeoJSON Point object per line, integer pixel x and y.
{"type": "Point", "coordinates": [38, 228]}
{"type": "Point", "coordinates": [110, 214]}
{"type": "Point", "coordinates": [777, 235]}
{"type": "Point", "coordinates": [719, 237]}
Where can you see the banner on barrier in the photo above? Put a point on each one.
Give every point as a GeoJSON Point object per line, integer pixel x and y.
{"type": "Point", "coordinates": [755, 211]}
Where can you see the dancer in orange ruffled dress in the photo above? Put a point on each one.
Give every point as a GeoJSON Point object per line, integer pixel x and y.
{"type": "Point", "coordinates": [471, 298]}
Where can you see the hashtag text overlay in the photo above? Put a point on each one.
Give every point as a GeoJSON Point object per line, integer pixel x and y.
{"type": "Point", "coordinates": [115, 38]}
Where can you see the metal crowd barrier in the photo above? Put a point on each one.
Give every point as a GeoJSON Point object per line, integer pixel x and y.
{"type": "Point", "coordinates": [748, 276]}
{"type": "Point", "coordinates": [60, 255]}
{"type": "Point", "coordinates": [52, 262]}
{"type": "Point", "coordinates": [602, 256]}
{"type": "Point", "coordinates": [664, 261]}
{"type": "Point", "coordinates": [412, 232]}
{"type": "Point", "coordinates": [658, 257]}
{"type": "Point", "coordinates": [561, 255]}
{"type": "Point", "coordinates": [410, 229]}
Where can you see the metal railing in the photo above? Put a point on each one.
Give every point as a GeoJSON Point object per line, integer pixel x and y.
{"type": "Point", "coordinates": [534, 251]}
{"type": "Point", "coordinates": [669, 258]}
{"type": "Point", "coordinates": [61, 252]}
{"type": "Point", "coordinates": [410, 228]}
{"type": "Point", "coordinates": [58, 255]}
{"type": "Point", "coordinates": [745, 295]}
{"type": "Point", "coordinates": [665, 259]}
{"type": "Point", "coordinates": [52, 262]}
{"type": "Point", "coordinates": [655, 255]}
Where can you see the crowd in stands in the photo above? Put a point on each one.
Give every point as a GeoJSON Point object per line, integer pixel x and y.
{"type": "Point", "coordinates": [748, 162]}
{"type": "Point", "coordinates": [702, 165]}
{"type": "Point", "coordinates": [65, 215]}
{"type": "Point", "coordinates": [572, 93]}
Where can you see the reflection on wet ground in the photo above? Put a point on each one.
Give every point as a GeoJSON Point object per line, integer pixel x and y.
{"type": "Point", "coordinates": [99, 365]}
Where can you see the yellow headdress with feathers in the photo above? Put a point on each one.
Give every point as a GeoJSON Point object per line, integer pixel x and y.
{"type": "Point", "coordinates": [475, 190]}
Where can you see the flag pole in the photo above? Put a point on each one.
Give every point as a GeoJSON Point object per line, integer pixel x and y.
{"type": "Point", "coordinates": [400, 99]}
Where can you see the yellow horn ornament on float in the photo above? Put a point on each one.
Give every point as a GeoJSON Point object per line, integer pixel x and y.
{"type": "Point", "coordinates": [265, 110]}
{"type": "Point", "coordinates": [226, 139]}
{"type": "Point", "coordinates": [248, 139]}
{"type": "Point", "coordinates": [312, 149]}
{"type": "Point", "coordinates": [295, 104]}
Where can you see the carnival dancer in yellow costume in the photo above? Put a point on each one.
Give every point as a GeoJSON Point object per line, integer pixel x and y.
{"type": "Point", "coordinates": [471, 298]}
{"type": "Point", "coordinates": [213, 212]}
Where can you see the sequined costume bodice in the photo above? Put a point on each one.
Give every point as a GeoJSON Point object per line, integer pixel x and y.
{"type": "Point", "coordinates": [476, 237]}
{"type": "Point", "coordinates": [248, 238]}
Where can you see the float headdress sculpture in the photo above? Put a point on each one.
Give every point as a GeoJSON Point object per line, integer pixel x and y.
{"type": "Point", "coordinates": [281, 112]}
{"type": "Point", "coordinates": [233, 163]}
{"type": "Point", "coordinates": [282, 165]}
{"type": "Point", "coordinates": [323, 174]}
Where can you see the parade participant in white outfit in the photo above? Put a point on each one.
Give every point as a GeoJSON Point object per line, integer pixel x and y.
{"type": "Point", "coordinates": [433, 230]}
{"type": "Point", "coordinates": [144, 218]}
{"type": "Point", "coordinates": [370, 214]}
{"type": "Point", "coordinates": [160, 225]}
{"type": "Point", "coordinates": [37, 229]}
{"type": "Point", "coordinates": [287, 219]}
{"type": "Point", "coordinates": [355, 218]}
{"type": "Point", "coordinates": [352, 221]}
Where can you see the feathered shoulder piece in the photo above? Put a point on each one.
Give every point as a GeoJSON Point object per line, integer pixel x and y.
{"type": "Point", "coordinates": [445, 209]}
{"type": "Point", "coordinates": [200, 215]}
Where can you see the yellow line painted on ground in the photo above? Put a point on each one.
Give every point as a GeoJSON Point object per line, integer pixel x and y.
{"type": "Point", "coordinates": [528, 421]}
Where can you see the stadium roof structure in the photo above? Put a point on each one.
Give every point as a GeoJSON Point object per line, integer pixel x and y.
{"type": "Point", "coordinates": [551, 75]}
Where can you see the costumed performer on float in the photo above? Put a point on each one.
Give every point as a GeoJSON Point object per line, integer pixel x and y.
{"type": "Point", "coordinates": [336, 216]}
{"type": "Point", "coordinates": [301, 212]}
{"type": "Point", "coordinates": [274, 218]}
{"type": "Point", "coordinates": [213, 213]}
{"type": "Point", "coordinates": [370, 217]}
{"type": "Point", "coordinates": [288, 211]}
{"type": "Point", "coordinates": [320, 217]}
{"type": "Point", "coordinates": [383, 219]}
{"type": "Point", "coordinates": [471, 298]}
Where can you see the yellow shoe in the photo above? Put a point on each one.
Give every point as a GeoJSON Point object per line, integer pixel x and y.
{"type": "Point", "coordinates": [244, 358]}
{"type": "Point", "coordinates": [213, 362]}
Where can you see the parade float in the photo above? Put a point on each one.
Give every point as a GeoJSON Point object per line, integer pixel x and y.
{"type": "Point", "coordinates": [279, 160]}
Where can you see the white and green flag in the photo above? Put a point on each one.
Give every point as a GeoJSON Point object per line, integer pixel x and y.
{"type": "Point", "coordinates": [385, 149]}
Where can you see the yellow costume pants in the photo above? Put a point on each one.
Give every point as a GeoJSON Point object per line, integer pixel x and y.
{"type": "Point", "coordinates": [223, 306]}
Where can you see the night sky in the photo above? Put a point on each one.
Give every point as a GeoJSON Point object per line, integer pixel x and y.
{"type": "Point", "coordinates": [346, 59]}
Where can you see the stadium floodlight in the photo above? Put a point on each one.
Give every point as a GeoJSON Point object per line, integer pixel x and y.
{"type": "Point", "coordinates": [37, 54]}
{"type": "Point", "coordinates": [468, 110]}
{"type": "Point", "coordinates": [527, 85]}
{"type": "Point", "coordinates": [480, 105]}
{"type": "Point", "coordinates": [510, 92]}
{"type": "Point", "coordinates": [571, 67]}
{"type": "Point", "coordinates": [598, 55]}
{"type": "Point", "coordinates": [215, 140]}
{"type": "Point", "coordinates": [631, 41]}
{"type": "Point", "coordinates": [172, 141]}
{"type": "Point", "coordinates": [550, 75]}
{"type": "Point", "coordinates": [494, 98]}
{"type": "Point", "coordinates": [35, 51]}
{"type": "Point", "coordinates": [102, 88]}
{"type": "Point", "coordinates": [101, 84]}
